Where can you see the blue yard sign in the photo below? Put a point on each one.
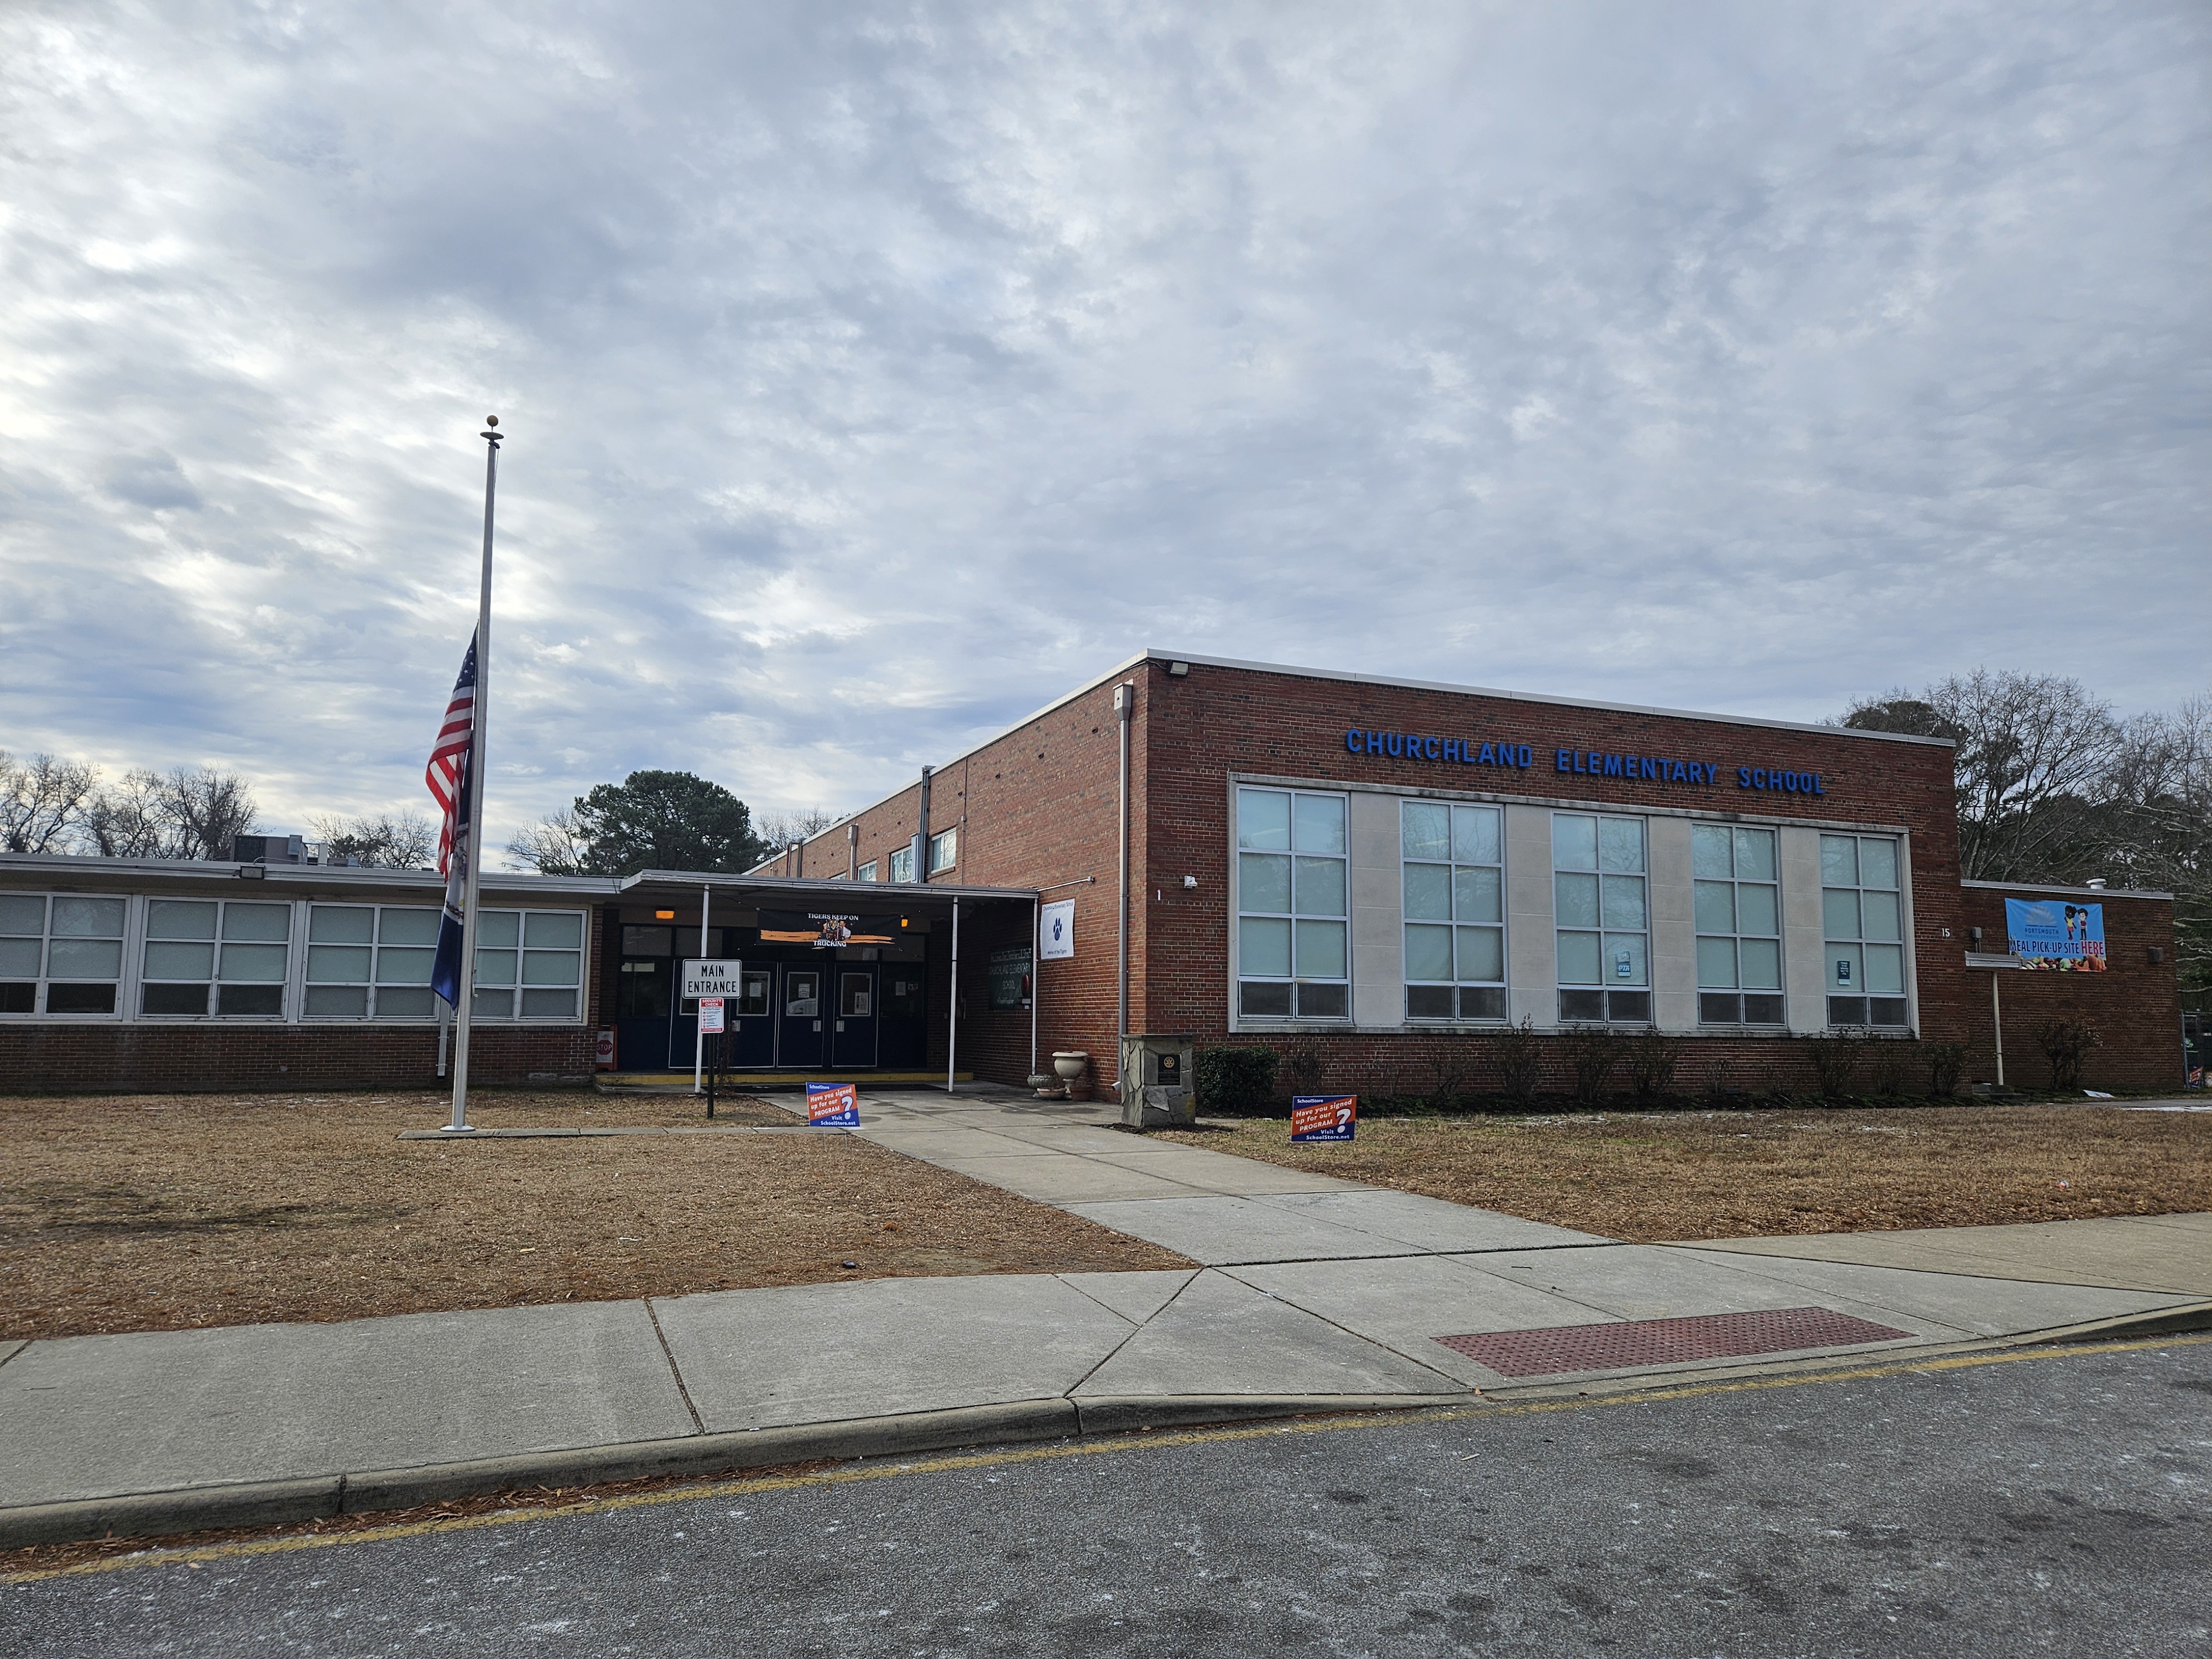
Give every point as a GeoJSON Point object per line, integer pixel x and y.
{"type": "Point", "coordinates": [1324, 1117]}
{"type": "Point", "coordinates": [833, 1105]}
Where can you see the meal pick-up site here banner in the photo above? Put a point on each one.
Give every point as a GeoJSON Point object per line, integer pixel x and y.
{"type": "Point", "coordinates": [834, 1105]}
{"type": "Point", "coordinates": [2056, 933]}
{"type": "Point", "coordinates": [1324, 1117]}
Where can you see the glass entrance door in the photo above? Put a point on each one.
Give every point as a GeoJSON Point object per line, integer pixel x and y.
{"type": "Point", "coordinates": [750, 1042]}
{"type": "Point", "coordinates": [799, 1045]}
{"type": "Point", "coordinates": [853, 1040]}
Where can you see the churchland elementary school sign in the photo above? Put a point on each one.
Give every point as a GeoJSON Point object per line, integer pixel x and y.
{"type": "Point", "coordinates": [1658, 768]}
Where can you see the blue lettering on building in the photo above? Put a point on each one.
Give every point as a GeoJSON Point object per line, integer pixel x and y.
{"type": "Point", "coordinates": [1590, 762]}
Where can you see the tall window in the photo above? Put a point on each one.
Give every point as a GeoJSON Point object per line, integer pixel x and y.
{"type": "Point", "coordinates": [63, 955]}
{"type": "Point", "coordinates": [228, 958]}
{"type": "Point", "coordinates": [944, 850]}
{"type": "Point", "coordinates": [903, 863]}
{"type": "Point", "coordinates": [529, 963]}
{"type": "Point", "coordinates": [1862, 920]}
{"type": "Point", "coordinates": [366, 961]}
{"type": "Point", "coordinates": [1739, 918]}
{"type": "Point", "coordinates": [1293, 951]}
{"type": "Point", "coordinates": [1599, 902]}
{"type": "Point", "coordinates": [1454, 911]}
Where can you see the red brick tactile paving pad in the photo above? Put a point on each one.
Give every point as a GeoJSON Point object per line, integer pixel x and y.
{"type": "Point", "coordinates": [1623, 1343]}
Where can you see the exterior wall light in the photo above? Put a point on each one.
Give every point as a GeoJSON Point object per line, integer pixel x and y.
{"type": "Point", "coordinates": [1178, 670]}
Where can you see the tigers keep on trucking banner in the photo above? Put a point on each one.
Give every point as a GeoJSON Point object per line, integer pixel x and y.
{"type": "Point", "coordinates": [1324, 1117]}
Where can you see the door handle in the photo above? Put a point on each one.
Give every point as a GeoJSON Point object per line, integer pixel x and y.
{"type": "Point", "coordinates": [817, 1025]}
{"type": "Point", "coordinates": [841, 1024]}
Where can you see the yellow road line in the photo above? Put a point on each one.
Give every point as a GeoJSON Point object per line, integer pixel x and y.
{"type": "Point", "coordinates": [1136, 1441]}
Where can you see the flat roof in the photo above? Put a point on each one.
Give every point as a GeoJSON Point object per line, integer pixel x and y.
{"type": "Point", "coordinates": [2072, 892]}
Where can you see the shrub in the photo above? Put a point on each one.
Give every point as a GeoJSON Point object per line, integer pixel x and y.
{"type": "Point", "coordinates": [1945, 1062]}
{"type": "Point", "coordinates": [1448, 1085]}
{"type": "Point", "coordinates": [1302, 1067]}
{"type": "Point", "coordinates": [1652, 1060]}
{"type": "Point", "coordinates": [1593, 1055]}
{"type": "Point", "coordinates": [2066, 1044]}
{"type": "Point", "coordinates": [1835, 1061]}
{"type": "Point", "coordinates": [1520, 1057]}
{"type": "Point", "coordinates": [1892, 1063]}
{"type": "Point", "coordinates": [1237, 1082]}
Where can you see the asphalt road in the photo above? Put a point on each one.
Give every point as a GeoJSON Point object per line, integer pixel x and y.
{"type": "Point", "coordinates": [2051, 1505]}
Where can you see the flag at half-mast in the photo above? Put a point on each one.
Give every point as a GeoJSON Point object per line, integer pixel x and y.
{"type": "Point", "coordinates": [451, 781]}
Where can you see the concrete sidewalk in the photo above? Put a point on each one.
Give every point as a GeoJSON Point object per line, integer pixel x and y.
{"type": "Point", "coordinates": [1311, 1293]}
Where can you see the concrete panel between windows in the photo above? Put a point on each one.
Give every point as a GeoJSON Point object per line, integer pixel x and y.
{"type": "Point", "coordinates": [1378, 942]}
{"type": "Point", "coordinates": [1805, 997]}
{"type": "Point", "coordinates": [1531, 951]}
{"type": "Point", "coordinates": [1674, 928]}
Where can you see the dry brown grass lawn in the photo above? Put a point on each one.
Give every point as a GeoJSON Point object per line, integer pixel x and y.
{"type": "Point", "coordinates": [1733, 1174]}
{"type": "Point", "coordinates": [162, 1213]}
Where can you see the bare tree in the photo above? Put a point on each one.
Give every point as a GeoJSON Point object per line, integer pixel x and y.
{"type": "Point", "coordinates": [41, 801]}
{"type": "Point", "coordinates": [385, 841]}
{"type": "Point", "coordinates": [557, 846]}
{"type": "Point", "coordinates": [128, 821]}
{"type": "Point", "coordinates": [205, 809]}
{"type": "Point", "coordinates": [777, 831]}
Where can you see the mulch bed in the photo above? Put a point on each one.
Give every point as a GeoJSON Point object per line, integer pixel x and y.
{"type": "Point", "coordinates": [139, 1213]}
{"type": "Point", "coordinates": [1736, 1175]}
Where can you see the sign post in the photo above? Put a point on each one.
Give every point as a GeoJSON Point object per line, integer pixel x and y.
{"type": "Point", "coordinates": [710, 1026]}
{"type": "Point", "coordinates": [707, 979]}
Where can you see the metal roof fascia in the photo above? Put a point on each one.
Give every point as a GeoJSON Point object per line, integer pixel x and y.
{"type": "Point", "coordinates": [2072, 892]}
{"type": "Point", "coordinates": [725, 881]}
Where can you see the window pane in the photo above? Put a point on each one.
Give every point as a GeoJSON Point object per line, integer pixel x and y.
{"type": "Point", "coordinates": [84, 958]}
{"type": "Point", "coordinates": [165, 960]}
{"type": "Point", "coordinates": [1320, 950]}
{"type": "Point", "coordinates": [19, 959]}
{"type": "Point", "coordinates": [1621, 844]}
{"type": "Point", "coordinates": [1476, 835]}
{"type": "Point", "coordinates": [1428, 953]}
{"type": "Point", "coordinates": [1263, 883]}
{"type": "Point", "coordinates": [1323, 1001]}
{"type": "Point", "coordinates": [1846, 1011]}
{"type": "Point", "coordinates": [1320, 823]}
{"type": "Point", "coordinates": [1754, 854]}
{"type": "Point", "coordinates": [1263, 820]}
{"type": "Point", "coordinates": [1761, 963]}
{"type": "Point", "coordinates": [1886, 1010]}
{"type": "Point", "coordinates": [1714, 902]}
{"type": "Point", "coordinates": [492, 1005]}
{"type": "Point", "coordinates": [1623, 902]}
{"type": "Point", "coordinates": [257, 921]}
{"type": "Point", "coordinates": [1628, 1004]}
{"type": "Point", "coordinates": [1429, 1001]}
{"type": "Point", "coordinates": [1320, 887]}
{"type": "Point", "coordinates": [1839, 913]}
{"type": "Point", "coordinates": [253, 964]}
{"type": "Point", "coordinates": [1717, 964]}
{"type": "Point", "coordinates": [549, 1005]}
{"type": "Point", "coordinates": [188, 1000]}
{"type": "Point", "coordinates": [551, 966]}
{"type": "Point", "coordinates": [1762, 1011]}
{"type": "Point", "coordinates": [1844, 974]}
{"type": "Point", "coordinates": [494, 967]}
{"type": "Point", "coordinates": [640, 941]}
{"type": "Point", "coordinates": [404, 967]}
{"type": "Point", "coordinates": [1623, 959]}
{"type": "Point", "coordinates": [553, 930]}
{"type": "Point", "coordinates": [180, 918]}
{"type": "Point", "coordinates": [80, 998]}
{"type": "Point", "coordinates": [340, 924]}
{"type": "Point", "coordinates": [20, 915]}
{"type": "Point", "coordinates": [1581, 1005]}
{"type": "Point", "coordinates": [1878, 915]}
{"type": "Point", "coordinates": [407, 928]}
{"type": "Point", "coordinates": [753, 993]}
{"type": "Point", "coordinates": [254, 1002]}
{"type": "Point", "coordinates": [1264, 948]}
{"type": "Point", "coordinates": [1575, 898]}
{"type": "Point", "coordinates": [1267, 1001]}
{"type": "Point", "coordinates": [394, 1003]}
{"type": "Point", "coordinates": [1574, 841]}
{"type": "Point", "coordinates": [1428, 894]}
{"type": "Point", "coordinates": [1719, 1010]}
{"type": "Point", "coordinates": [1578, 955]}
{"type": "Point", "coordinates": [1475, 895]}
{"type": "Point", "coordinates": [1482, 953]}
{"type": "Point", "coordinates": [1482, 1004]}
{"type": "Point", "coordinates": [1755, 911]}
{"type": "Point", "coordinates": [1708, 851]}
{"type": "Point", "coordinates": [1878, 864]}
{"type": "Point", "coordinates": [1425, 827]}
{"type": "Point", "coordinates": [1840, 861]}
{"type": "Point", "coordinates": [1885, 969]}
{"type": "Point", "coordinates": [88, 918]}
{"type": "Point", "coordinates": [327, 965]}
{"type": "Point", "coordinates": [498, 930]}
{"type": "Point", "coordinates": [337, 1001]}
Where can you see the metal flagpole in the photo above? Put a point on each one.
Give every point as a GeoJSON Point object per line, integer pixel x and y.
{"type": "Point", "coordinates": [699, 1049]}
{"type": "Point", "coordinates": [477, 778]}
{"type": "Point", "coordinates": [952, 1009]}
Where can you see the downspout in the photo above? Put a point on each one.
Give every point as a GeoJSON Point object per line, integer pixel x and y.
{"type": "Point", "coordinates": [852, 851]}
{"type": "Point", "coordinates": [1125, 697]}
{"type": "Point", "coordinates": [922, 829]}
{"type": "Point", "coordinates": [952, 1005]}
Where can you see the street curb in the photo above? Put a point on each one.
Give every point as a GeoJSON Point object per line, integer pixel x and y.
{"type": "Point", "coordinates": [2164, 1321]}
{"type": "Point", "coordinates": [272, 1503]}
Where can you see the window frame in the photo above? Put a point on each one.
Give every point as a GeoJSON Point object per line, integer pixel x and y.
{"type": "Point", "coordinates": [866, 871]}
{"type": "Point", "coordinates": [1603, 987]}
{"type": "Point", "coordinates": [1458, 986]}
{"type": "Point", "coordinates": [43, 982]}
{"type": "Point", "coordinates": [1239, 978]}
{"type": "Point", "coordinates": [1735, 881]}
{"type": "Point", "coordinates": [1830, 994]}
{"type": "Point", "coordinates": [947, 841]}
{"type": "Point", "coordinates": [288, 1001]}
{"type": "Point", "coordinates": [903, 855]}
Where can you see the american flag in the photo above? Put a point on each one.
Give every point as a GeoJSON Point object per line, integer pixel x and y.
{"type": "Point", "coordinates": [448, 778]}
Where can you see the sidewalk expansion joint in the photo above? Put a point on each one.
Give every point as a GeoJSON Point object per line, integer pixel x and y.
{"type": "Point", "coordinates": [669, 1354]}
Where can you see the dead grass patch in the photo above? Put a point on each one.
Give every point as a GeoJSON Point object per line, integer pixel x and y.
{"type": "Point", "coordinates": [165, 1212]}
{"type": "Point", "coordinates": [1741, 1175]}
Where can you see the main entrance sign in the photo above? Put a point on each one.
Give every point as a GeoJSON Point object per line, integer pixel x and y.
{"type": "Point", "coordinates": [709, 976]}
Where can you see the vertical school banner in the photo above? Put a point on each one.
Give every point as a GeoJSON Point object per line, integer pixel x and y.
{"type": "Point", "coordinates": [2056, 935]}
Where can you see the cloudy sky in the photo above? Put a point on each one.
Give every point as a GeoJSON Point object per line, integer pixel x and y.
{"type": "Point", "coordinates": [877, 371]}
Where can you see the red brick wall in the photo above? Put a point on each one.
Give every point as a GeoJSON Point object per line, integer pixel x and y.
{"type": "Point", "coordinates": [215, 1056]}
{"type": "Point", "coordinates": [2135, 1004]}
